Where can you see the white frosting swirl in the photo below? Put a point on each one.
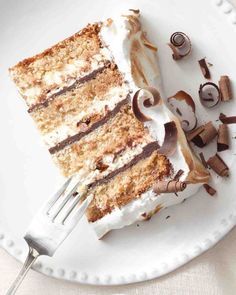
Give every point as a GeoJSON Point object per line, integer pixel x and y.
{"type": "Point", "coordinates": [124, 38]}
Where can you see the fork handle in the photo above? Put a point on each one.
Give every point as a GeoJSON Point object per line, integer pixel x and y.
{"type": "Point", "coordinates": [32, 256]}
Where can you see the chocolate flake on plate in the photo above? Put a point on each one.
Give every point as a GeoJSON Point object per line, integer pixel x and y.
{"type": "Point", "coordinates": [180, 45]}
{"type": "Point", "coordinates": [169, 186]}
{"type": "Point", "coordinates": [210, 190]}
{"type": "Point", "coordinates": [202, 135]}
{"type": "Point", "coordinates": [203, 160]}
{"type": "Point", "coordinates": [204, 68]}
{"type": "Point", "coordinates": [209, 94]}
{"type": "Point", "coordinates": [223, 138]}
{"type": "Point", "coordinates": [225, 88]}
{"type": "Point", "coordinates": [227, 120]}
{"type": "Point", "coordinates": [152, 99]}
{"type": "Point", "coordinates": [187, 118]}
{"type": "Point", "coordinates": [218, 165]}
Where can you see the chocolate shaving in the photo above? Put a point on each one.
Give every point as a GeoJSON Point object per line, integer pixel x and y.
{"type": "Point", "coordinates": [175, 52]}
{"type": "Point", "coordinates": [101, 166]}
{"type": "Point", "coordinates": [204, 68]}
{"type": "Point", "coordinates": [209, 94]}
{"type": "Point", "coordinates": [202, 135]}
{"type": "Point", "coordinates": [210, 190]}
{"type": "Point", "coordinates": [169, 145]}
{"type": "Point", "coordinates": [137, 11]}
{"type": "Point", "coordinates": [180, 45]}
{"type": "Point", "coordinates": [188, 123]}
{"type": "Point", "coordinates": [225, 88]}
{"type": "Point", "coordinates": [227, 120]}
{"type": "Point", "coordinates": [148, 102]}
{"type": "Point", "coordinates": [169, 186]}
{"type": "Point", "coordinates": [203, 160]}
{"type": "Point", "coordinates": [178, 174]}
{"type": "Point", "coordinates": [218, 165]}
{"type": "Point", "coordinates": [223, 138]}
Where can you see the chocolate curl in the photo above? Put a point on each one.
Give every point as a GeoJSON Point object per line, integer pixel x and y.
{"type": "Point", "coordinates": [203, 160]}
{"type": "Point", "coordinates": [223, 138]}
{"type": "Point", "coordinates": [227, 120]}
{"type": "Point", "coordinates": [180, 45]}
{"type": "Point", "coordinates": [175, 52]}
{"type": "Point", "coordinates": [188, 123]}
{"type": "Point", "coordinates": [210, 190]}
{"type": "Point", "coordinates": [225, 88]}
{"type": "Point", "coordinates": [218, 165]}
{"type": "Point", "coordinates": [204, 68]}
{"type": "Point", "coordinates": [169, 145]}
{"type": "Point", "coordinates": [169, 186]}
{"type": "Point", "coordinates": [202, 135]}
{"type": "Point", "coordinates": [148, 102]}
{"type": "Point", "coordinates": [209, 94]}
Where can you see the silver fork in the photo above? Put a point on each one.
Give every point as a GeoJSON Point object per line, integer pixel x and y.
{"type": "Point", "coordinates": [52, 224]}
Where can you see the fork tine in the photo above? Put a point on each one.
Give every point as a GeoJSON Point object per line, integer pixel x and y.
{"type": "Point", "coordinates": [74, 204]}
{"type": "Point", "coordinates": [77, 213]}
{"type": "Point", "coordinates": [65, 200]}
{"type": "Point", "coordinates": [58, 194]}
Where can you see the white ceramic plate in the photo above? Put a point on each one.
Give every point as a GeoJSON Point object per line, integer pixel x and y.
{"type": "Point", "coordinates": [28, 177]}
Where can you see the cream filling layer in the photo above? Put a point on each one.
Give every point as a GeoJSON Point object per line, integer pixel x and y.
{"type": "Point", "coordinates": [58, 79]}
{"type": "Point", "coordinates": [69, 127]}
{"type": "Point", "coordinates": [89, 173]}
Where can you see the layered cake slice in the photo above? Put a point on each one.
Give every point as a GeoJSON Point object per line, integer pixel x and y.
{"type": "Point", "coordinates": [84, 95]}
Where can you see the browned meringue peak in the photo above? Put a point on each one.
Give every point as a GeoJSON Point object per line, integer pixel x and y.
{"type": "Point", "coordinates": [133, 20]}
{"type": "Point", "coordinates": [147, 43]}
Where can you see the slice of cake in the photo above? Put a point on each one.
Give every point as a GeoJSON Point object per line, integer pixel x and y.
{"type": "Point", "coordinates": [80, 94]}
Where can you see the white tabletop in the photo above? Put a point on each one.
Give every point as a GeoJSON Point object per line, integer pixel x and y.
{"type": "Point", "coordinates": [213, 273]}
